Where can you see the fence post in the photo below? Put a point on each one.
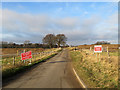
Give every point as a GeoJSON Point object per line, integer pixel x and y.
{"type": "Point", "coordinates": [90, 48]}
{"type": "Point", "coordinates": [14, 60]}
{"type": "Point", "coordinates": [109, 56]}
{"type": "Point", "coordinates": [107, 50]}
{"type": "Point", "coordinates": [40, 55]}
{"type": "Point", "coordinates": [17, 52]}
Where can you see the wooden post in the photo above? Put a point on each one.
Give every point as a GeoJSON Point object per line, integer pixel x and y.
{"type": "Point", "coordinates": [30, 60]}
{"type": "Point", "coordinates": [17, 52]}
{"type": "Point", "coordinates": [107, 50]}
{"type": "Point", "coordinates": [99, 57]}
{"type": "Point", "coordinates": [14, 60]}
{"type": "Point", "coordinates": [96, 56]}
{"type": "Point", "coordinates": [40, 54]}
{"type": "Point", "coordinates": [108, 54]}
{"type": "Point", "coordinates": [90, 48]}
{"type": "Point", "coordinates": [34, 57]}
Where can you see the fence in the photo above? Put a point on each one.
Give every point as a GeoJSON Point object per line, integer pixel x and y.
{"type": "Point", "coordinates": [109, 53]}
{"type": "Point", "coordinates": [14, 60]}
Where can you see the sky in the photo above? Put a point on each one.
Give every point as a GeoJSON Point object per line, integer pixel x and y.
{"type": "Point", "coordinates": [81, 22]}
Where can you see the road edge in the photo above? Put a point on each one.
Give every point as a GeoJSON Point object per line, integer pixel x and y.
{"type": "Point", "coordinates": [80, 81]}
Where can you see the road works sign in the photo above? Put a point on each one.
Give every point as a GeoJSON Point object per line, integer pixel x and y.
{"type": "Point", "coordinates": [98, 48]}
{"type": "Point", "coordinates": [26, 55]}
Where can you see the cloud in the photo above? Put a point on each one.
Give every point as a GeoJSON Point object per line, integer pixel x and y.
{"type": "Point", "coordinates": [19, 27]}
{"type": "Point", "coordinates": [85, 12]}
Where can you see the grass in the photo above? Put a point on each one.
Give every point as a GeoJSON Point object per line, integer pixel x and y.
{"type": "Point", "coordinates": [19, 50]}
{"type": "Point", "coordinates": [10, 69]}
{"type": "Point", "coordinates": [7, 61]}
{"type": "Point", "coordinates": [95, 74]}
{"type": "Point", "coordinates": [14, 70]}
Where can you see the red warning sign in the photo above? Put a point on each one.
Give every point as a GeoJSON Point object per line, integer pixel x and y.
{"type": "Point", "coordinates": [26, 55]}
{"type": "Point", "coordinates": [98, 48]}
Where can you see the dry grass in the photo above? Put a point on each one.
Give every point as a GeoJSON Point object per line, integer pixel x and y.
{"type": "Point", "coordinates": [10, 69]}
{"type": "Point", "coordinates": [7, 61]}
{"type": "Point", "coordinates": [96, 72]}
{"type": "Point", "coordinates": [111, 47]}
{"type": "Point", "coordinates": [20, 50]}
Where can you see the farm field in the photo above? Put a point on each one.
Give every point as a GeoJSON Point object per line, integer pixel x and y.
{"type": "Point", "coordinates": [112, 47]}
{"type": "Point", "coordinates": [97, 71]}
{"type": "Point", "coordinates": [6, 51]}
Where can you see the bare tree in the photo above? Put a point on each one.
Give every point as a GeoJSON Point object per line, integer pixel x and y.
{"type": "Point", "coordinates": [61, 39]}
{"type": "Point", "coordinates": [26, 42]}
{"type": "Point", "coordinates": [50, 40]}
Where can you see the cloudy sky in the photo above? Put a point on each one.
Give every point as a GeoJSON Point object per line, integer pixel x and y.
{"type": "Point", "coordinates": [81, 22]}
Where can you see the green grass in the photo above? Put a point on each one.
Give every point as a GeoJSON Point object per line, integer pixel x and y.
{"type": "Point", "coordinates": [94, 74]}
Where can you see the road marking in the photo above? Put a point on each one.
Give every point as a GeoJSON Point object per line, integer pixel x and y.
{"type": "Point", "coordinates": [80, 81]}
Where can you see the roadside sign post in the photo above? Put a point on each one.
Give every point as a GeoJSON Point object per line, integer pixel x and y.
{"type": "Point", "coordinates": [30, 61]}
{"type": "Point", "coordinates": [98, 49]}
{"type": "Point", "coordinates": [99, 57]}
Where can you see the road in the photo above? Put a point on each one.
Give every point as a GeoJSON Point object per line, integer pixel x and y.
{"type": "Point", "coordinates": [54, 73]}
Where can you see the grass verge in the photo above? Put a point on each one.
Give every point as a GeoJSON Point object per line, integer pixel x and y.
{"type": "Point", "coordinates": [15, 70]}
{"type": "Point", "coordinates": [94, 74]}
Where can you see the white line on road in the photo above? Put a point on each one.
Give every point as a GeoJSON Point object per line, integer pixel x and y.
{"type": "Point", "coordinates": [80, 81]}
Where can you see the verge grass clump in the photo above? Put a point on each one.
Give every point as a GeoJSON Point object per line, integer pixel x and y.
{"type": "Point", "coordinates": [95, 73]}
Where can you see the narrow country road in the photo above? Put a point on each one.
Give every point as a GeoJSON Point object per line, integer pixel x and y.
{"type": "Point", "coordinates": [54, 73]}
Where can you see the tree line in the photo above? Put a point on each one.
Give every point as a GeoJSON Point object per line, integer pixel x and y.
{"type": "Point", "coordinates": [49, 41]}
{"type": "Point", "coordinates": [52, 40]}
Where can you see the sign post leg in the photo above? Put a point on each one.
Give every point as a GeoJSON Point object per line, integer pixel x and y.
{"type": "Point", "coordinates": [30, 60]}
{"type": "Point", "coordinates": [96, 57]}
{"type": "Point", "coordinates": [99, 57]}
{"type": "Point", "coordinates": [24, 61]}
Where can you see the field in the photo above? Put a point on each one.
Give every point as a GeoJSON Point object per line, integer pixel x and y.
{"type": "Point", "coordinates": [112, 47]}
{"type": "Point", "coordinates": [6, 51]}
{"type": "Point", "coordinates": [96, 70]}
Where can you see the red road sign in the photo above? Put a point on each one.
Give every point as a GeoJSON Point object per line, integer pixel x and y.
{"type": "Point", "coordinates": [26, 55]}
{"type": "Point", "coordinates": [98, 48]}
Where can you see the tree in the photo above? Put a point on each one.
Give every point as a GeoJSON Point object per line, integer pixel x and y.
{"type": "Point", "coordinates": [26, 42]}
{"type": "Point", "coordinates": [102, 42]}
{"type": "Point", "coordinates": [61, 39]}
{"type": "Point", "coordinates": [50, 40]}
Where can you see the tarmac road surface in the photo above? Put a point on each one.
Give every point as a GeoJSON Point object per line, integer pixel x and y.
{"type": "Point", "coordinates": [54, 73]}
